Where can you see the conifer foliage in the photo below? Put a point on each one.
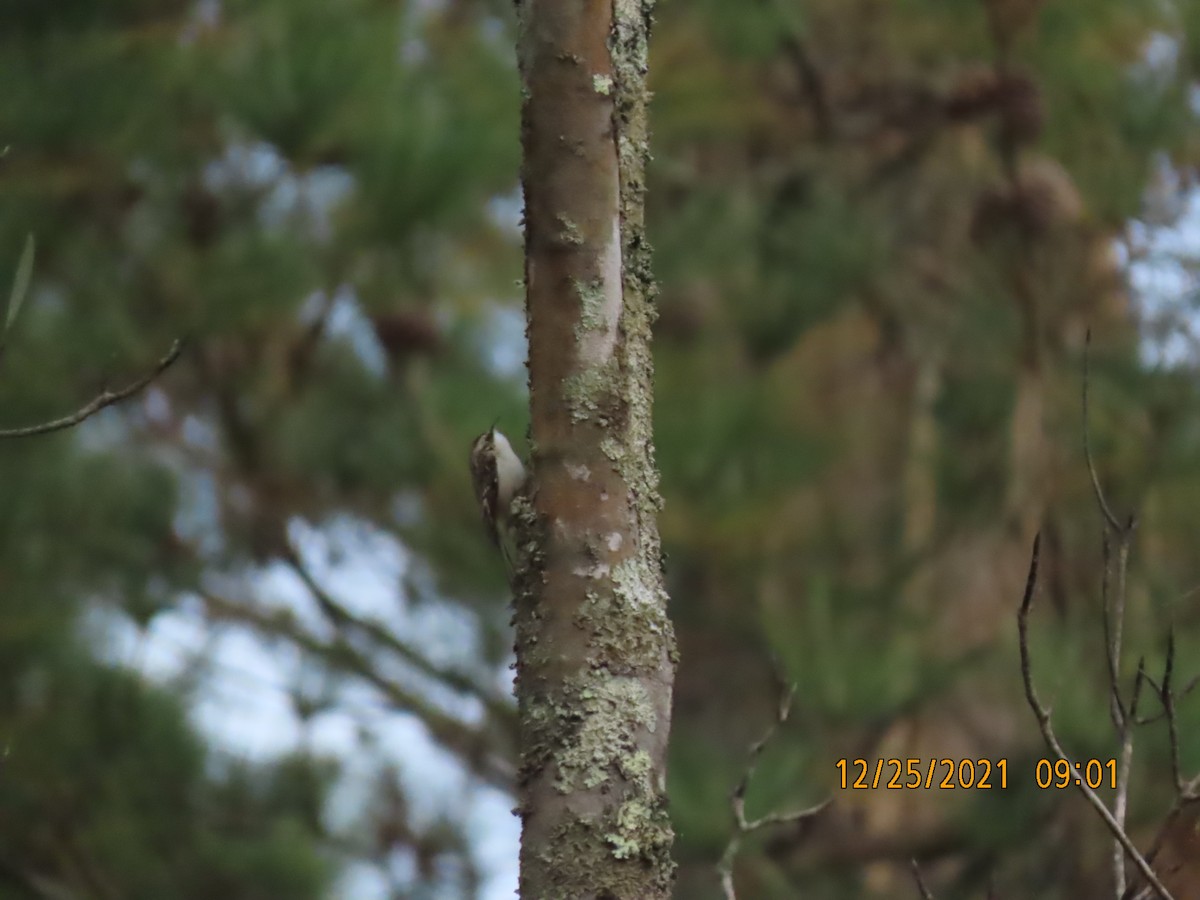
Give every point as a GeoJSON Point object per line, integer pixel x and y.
{"type": "Point", "coordinates": [882, 233]}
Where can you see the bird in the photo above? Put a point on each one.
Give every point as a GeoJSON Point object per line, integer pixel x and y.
{"type": "Point", "coordinates": [497, 475]}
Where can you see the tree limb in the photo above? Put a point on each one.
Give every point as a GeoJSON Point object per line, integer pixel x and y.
{"type": "Point", "coordinates": [343, 619]}
{"type": "Point", "coordinates": [102, 400]}
{"type": "Point", "coordinates": [475, 748]}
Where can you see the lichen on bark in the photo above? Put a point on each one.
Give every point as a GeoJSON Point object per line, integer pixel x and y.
{"type": "Point", "coordinates": [595, 650]}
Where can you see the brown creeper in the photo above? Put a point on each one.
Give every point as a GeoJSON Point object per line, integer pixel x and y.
{"type": "Point", "coordinates": [497, 474]}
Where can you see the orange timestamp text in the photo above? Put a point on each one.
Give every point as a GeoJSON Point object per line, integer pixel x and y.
{"type": "Point", "coordinates": [944, 774]}
{"type": "Point", "coordinates": [1050, 774]}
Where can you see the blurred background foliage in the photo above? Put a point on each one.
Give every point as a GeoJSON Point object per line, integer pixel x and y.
{"type": "Point", "coordinates": [882, 231]}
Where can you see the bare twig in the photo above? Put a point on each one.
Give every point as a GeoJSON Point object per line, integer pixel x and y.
{"type": "Point", "coordinates": [1111, 641]}
{"type": "Point", "coordinates": [1039, 712]}
{"type": "Point", "coordinates": [104, 399]}
{"type": "Point", "coordinates": [926, 894]}
{"type": "Point", "coordinates": [1167, 695]}
{"type": "Point", "coordinates": [1115, 613]}
{"type": "Point", "coordinates": [1042, 715]}
{"type": "Point", "coordinates": [1087, 443]}
{"type": "Point", "coordinates": [1139, 681]}
{"type": "Point", "coordinates": [1113, 617]}
{"type": "Point", "coordinates": [737, 801]}
{"type": "Point", "coordinates": [1117, 609]}
{"type": "Point", "coordinates": [1179, 695]}
{"type": "Point", "coordinates": [1121, 800]}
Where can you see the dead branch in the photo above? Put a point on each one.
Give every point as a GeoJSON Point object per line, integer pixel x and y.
{"type": "Point", "coordinates": [104, 399]}
{"type": "Point", "coordinates": [1113, 618]}
{"type": "Point", "coordinates": [1042, 715]}
{"type": "Point", "coordinates": [1109, 518]}
{"type": "Point", "coordinates": [926, 894]}
{"type": "Point", "coordinates": [737, 800]}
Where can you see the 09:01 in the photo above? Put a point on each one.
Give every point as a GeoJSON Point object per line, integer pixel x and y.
{"type": "Point", "coordinates": [1058, 773]}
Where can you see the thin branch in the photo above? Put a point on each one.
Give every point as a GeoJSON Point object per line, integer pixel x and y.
{"type": "Point", "coordinates": [812, 80]}
{"type": "Point", "coordinates": [785, 818]}
{"type": "Point", "coordinates": [342, 619]}
{"type": "Point", "coordinates": [105, 399]}
{"type": "Point", "coordinates": [926, 894]}
{"type": "Point", "coordinates": [737, 800]}
{"type": "Point", "coordinates": [1179, 695]}
{"type": "Point", "coordinates": [1125, 729]}
{"type": "Point", "coordinates": [1121, 801]}
{"type": "Point", "coordinates": [1167, 695]}
{"type": "Point", "coordinates": [476, 748]}
{"type": "Point", "coordinates": [1140, 679]}
{"type": "Point", "coordinates": [1039, 711]}
{"type": "Point", "coordinates": [1113, 618]}
{"type": "Point", "coordinates": [1112, 640]}
{"type": "Point", "coordinates": [1109, 518]}
{"type": "Point", "coordinates": [1042, 715]}
{"type": "Point", "coordinates": [1118, 602]}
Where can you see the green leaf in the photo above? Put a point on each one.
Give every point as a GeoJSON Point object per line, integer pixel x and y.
{"type": "Point", "coordinates": [20, 283]}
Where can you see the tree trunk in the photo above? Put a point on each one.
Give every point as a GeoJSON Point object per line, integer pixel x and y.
{"type": "Point", "coordinates": [595, 650]}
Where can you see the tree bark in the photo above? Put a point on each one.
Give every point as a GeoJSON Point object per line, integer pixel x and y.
{"type": "Point", "coordinates": [595, 649]}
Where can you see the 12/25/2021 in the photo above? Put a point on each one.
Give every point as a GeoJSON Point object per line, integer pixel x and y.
{"type": "Point", "coordinates": [945, 773]}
